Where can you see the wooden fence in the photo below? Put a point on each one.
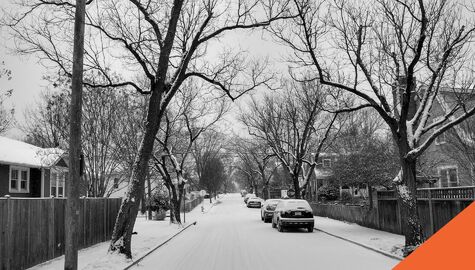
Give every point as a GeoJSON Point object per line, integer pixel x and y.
{"type": "Point", "coordinates": [436, 206]}
{"type": "Point", "coordinates": [191, 204]}
{"type": "Point", "coordinates": [32, 229]}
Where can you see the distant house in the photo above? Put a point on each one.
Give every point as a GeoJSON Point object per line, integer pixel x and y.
{"type": "Point", "coordinates": [324, 175]}
{"type": "Point", "coordinates": [30, 171]}
{"type": "Point", "coordinates": [323, 172]}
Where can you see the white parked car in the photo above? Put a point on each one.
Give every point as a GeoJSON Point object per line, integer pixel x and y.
{"type": "Point", "coordinates": [267, 209]}
{"type": "Point", "coordinates": [293, 213]}
{"type": "Point", "coordinates": [254, 202]}
{"type": "Point", "coordinates": [249, 195]}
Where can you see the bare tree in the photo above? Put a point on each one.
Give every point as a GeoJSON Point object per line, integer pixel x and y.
{"type": "Point", "coordinates": [207, 146]}
{"type": "Point", "coordinates": [398, 57]}
{"type": "Point", "coordinates": [191, 113]}
{"type": "Point", "coordinates": [255, 160]}
{"type": "Point", "coordinates": [213, 175]}
{"type": "Point", "coordinates": [165, 41]}
{"type": "Point", "coordinates": [111, 118]}
{"type": "Point", "coordinates": [367, 155]}
{"type": "Point", "coordinates": [293, 125]}
{"type": "Point", "coordinates": [6, 116]}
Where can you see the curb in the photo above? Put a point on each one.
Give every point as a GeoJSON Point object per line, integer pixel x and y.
{"type": "Point", "coordinates": [392, 256]}
{"type": "Point", "coordinates": [156, 247]}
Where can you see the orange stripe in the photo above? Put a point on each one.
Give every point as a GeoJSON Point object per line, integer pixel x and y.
{"type": "Point", "coordinates": [452, 247]}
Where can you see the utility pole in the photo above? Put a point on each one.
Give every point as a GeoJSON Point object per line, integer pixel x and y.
{"type": "Point", "coordinates": [72, 203]}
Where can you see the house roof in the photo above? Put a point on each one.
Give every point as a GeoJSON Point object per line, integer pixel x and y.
{"type": "Point", "coordinates": [20, 153]}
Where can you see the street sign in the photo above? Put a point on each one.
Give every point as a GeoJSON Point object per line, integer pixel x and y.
{"type": "Point", "coordinates": [283, 193]}
{"type": "Point", "coordinates": [202, 193]}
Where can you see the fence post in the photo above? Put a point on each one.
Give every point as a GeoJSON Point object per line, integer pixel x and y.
{"type": "Point", "coordinates": [8, 233]}
{"type": "Point", "coordinates": [431, 213]}
{"type": "Point", "coordinates": [51, 235]}
{"type": "Point", "coordinates": [104, 208]}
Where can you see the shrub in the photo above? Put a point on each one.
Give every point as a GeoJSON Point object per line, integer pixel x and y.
{"type": "Point", "coordinates": [328, 192]}
{"type": "Point", "coordinates": [346, 196]}
{"type": "Point", "coordinates": [159, 201]}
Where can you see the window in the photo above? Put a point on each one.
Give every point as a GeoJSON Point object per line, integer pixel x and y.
{"type": "Point", "coordinates": [327, 163]}
{"type": "Point", "coordinates": [448, 177]}
{"type": "Point", "coordinates": [442, 138]}
{"type": "Point", "coordinates": [116, 182]}
{"type": "Point", "coordinates": [57, 183]}
{"type": "Point", "coordinates": [19, 180]}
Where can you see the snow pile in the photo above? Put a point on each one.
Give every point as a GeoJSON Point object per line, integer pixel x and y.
{"type": "Point", "coordinates": [150, 233]}
{"type": "Point", "coordinates": [384, 241]}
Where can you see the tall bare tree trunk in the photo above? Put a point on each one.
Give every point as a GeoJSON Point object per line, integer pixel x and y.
{"type": "Point", "coordinates": [149, 196]}
{"type": "Point", "coordinates": [175, 204]}
{"type": "Point", "coordinates": [72, 203]}
{"type": "Point", "coordinates": [406, 192]}
{"type": "Point", "coordinates": [124, 225]}
{"type": "Point", "coordinates": [370, 195]}
{"type": "Point", "coordinates": [295, 181]}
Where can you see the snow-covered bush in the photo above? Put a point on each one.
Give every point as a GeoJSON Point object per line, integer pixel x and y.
{"type": "Point", "coordinates": [159, 202]}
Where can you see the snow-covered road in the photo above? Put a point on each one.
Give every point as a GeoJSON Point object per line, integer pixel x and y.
{"type": "Point", "coordinates": [232, 236]}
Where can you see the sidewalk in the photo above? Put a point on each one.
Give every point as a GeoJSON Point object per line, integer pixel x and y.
{"type": "Point", "coordinates": [376, 239]}
{"type": "Point", "coordinates": [150, 233]}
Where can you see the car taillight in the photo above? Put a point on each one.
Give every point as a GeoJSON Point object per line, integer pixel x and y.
{"type": "Point", "coordinates": [285, 213]}
{"type": "Point", "coordinates": [308, 214]}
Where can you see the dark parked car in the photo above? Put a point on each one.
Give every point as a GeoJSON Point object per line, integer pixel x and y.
{"type": "Point", "coordinates": [267, 209]}
{"type": "Point", "coordinates": [254, 202]}
{"type": "Point", "coordinates": [293, 213]}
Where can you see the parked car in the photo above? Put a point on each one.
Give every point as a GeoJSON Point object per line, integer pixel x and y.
{"type": "Point", "coordinates": [293, 213]}
{"type": "Point", "coordinates": [254, 202]}
{"type": "Point", "coordinates": [267, 209]}
{"type": "Point", "coordinates": [206, 195]}
{"type": "Point", "coordinates": [250, 195]}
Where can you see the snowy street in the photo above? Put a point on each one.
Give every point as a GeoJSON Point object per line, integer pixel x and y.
{"type": "Point", "coordinates": [232, 236]}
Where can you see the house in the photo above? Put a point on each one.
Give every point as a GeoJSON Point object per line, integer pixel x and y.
{"type": "Point", "coordinates": [30, 171]}
{"type": "Point", "coordinates": [323, 172]}
{"type": "Point", "coordinates": [450, 159]}
{"type": "Point", "coordinates": [324, 176]}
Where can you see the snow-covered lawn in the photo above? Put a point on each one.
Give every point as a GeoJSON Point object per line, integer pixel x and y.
{"type": "Point", "coordinates": [385, 241]}
{"type": "Point", "coordinates": [150, 233]}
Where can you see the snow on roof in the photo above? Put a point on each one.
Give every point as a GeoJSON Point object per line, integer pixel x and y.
{"type": "Point", "coordinates": [20, 153]}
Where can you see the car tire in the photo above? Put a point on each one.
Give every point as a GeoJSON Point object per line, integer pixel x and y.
{"type": "Point", "coordinates": [280, 228]}
{"type": "Point", "coordinates": [310, 228]}
{"type": "Point", "coordinates": [273, 224]}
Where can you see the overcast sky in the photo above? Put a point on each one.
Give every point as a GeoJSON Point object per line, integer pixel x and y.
{"type": "Point", "coordinates": [27, 82]}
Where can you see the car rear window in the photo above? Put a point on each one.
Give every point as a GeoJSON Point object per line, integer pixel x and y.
{"type": "Point", "coordinates": [295, 204]}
